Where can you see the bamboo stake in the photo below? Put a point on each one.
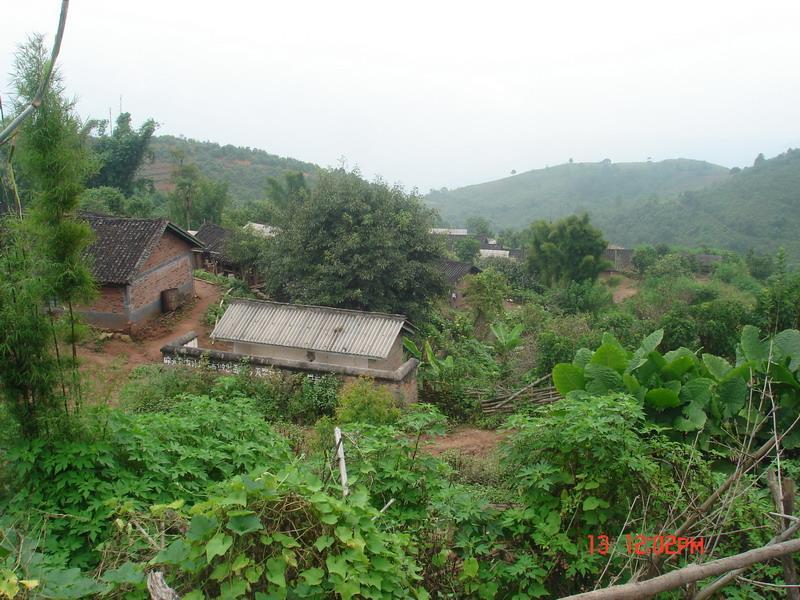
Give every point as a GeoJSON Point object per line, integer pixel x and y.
{"type": "Point", "coordinates": [337, 435]}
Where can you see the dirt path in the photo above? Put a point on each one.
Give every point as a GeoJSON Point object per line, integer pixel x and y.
{"type": "Point", "coordinates": [107, 364]}
{"type": "Point", "coordinates": [466, 440]}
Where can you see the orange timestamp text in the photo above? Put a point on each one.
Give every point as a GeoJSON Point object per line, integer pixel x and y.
{"type": "Point", "coordinates": [642, 545]}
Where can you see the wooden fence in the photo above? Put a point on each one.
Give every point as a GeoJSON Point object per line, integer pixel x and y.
{"type": "Point", "coordinates": [535, 393]}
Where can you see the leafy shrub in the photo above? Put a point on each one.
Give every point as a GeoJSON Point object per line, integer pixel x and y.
{"type": "Point", "coordinates": [363, 401]}
{"type": "Point", "coordinates": [573, 297]}
{"type": "Point", "coordinates": [670, 266]}
{"type": "Point", "coordinates": [588, 464]}
{"type": "Point", "coordinates": [155, 388]}
{"type": "Point", "coordinates": [680, 328]}
{"type": "Point", "coordinates": [687, 393]}
{"type": "Point", "coordinates": [719, 325]}
{"type": "Point", "coordinates": [142, 459]}
{"type": "Point", "coordinates": [280, 535]}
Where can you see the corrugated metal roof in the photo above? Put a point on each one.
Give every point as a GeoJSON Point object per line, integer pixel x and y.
{"type": "Point", "coordinates": [316, 328]}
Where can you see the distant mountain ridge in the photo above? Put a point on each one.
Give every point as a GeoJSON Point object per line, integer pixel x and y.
{"type": "Point", "coordinates": [244, 169]}
{"type": "Point", "coordinates": [558, 191]}
{"type": "Point", "coordinates": [680, 201]}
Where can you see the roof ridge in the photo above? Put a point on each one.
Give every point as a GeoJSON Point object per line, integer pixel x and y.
{"type": "Point", "coordinates": [317, 306]}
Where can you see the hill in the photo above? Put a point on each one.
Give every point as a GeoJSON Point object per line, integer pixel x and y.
{"type": "Point", "coordinates": [244, 169]}
{"type": "Point", "coordinates": [757, 208]}
{"type": "Point", "coordinates": [558, 191]}
{"type": "Point", "coordinates": [678, 202]}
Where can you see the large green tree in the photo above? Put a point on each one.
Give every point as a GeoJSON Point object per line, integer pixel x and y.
{"type": "Point", "coordinates": [570, 249]}
{"type": "Point", "coordinates": [122, 153]}
{"type": "Point", "coordinates": [354, 244]}
{"type": "Point", "coordinates": [42, 264]}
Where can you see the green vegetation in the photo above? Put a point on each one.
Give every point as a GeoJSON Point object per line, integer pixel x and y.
{"type": "Point", "coordinates": [354, 244]}
{"type": "Point", "coordinates": [245, 170]}
{"type": "Point", "coordinates": [676, 202]}
{"type": "Point", "coordinates": [555, 192]}
{"type": "Point", "coordinates": [678, 414]}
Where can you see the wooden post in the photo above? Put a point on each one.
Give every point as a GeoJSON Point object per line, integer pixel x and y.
{"type": "Point", "coordinates": [337, 435]}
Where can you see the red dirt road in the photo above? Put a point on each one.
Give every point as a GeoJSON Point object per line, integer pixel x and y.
{"type": "Point", "coordinates": [466, 440]}
{"type": "Point", "coordinates": [107, 364]}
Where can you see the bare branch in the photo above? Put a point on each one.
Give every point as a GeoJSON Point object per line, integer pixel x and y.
{"type": "Point", "coordinates": [690, 574]}
{"type": "Point", "coordinates": [48, 73]}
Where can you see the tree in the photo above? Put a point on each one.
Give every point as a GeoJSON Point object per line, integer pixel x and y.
{"type": "Point", "coordinates": [480, 226]}
{"type": "Point", "coordinates": [196, 199]}
{"type": "Point", "coordinates": [353, 244]}
{"type": "Point", "coordinates": [485, 293]}
{"type": "Point", "coordinates": [122, 153]}
{"type": "Point", "coordinates": [567, 250]}
{"type": "Point", "coordinates": [42, 259]}
{"type": "Point", "coordinates": [468, 249]}
{"type": "Point", "coordinates": [643, 258]}
{"type": "Point", "coordinates": [104, 200]}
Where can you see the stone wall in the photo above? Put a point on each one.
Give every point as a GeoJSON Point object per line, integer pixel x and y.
{"type": "Point", "coordinates": [402, 382]}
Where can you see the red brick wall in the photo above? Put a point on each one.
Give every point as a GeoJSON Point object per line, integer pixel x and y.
{"type": "Point", "coordinates": [169, 246]}
{"type": "Point", "coordinates": [176, 274]}
{"type": "Point", "coordinates": [110, 300]}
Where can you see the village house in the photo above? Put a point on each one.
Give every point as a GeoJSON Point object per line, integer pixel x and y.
{"type": "Point", "coordinates": [143, 268]}
{"type": "Point", "coordinates": [619, 258]}
{"type": "Point", "coordinates": [454, 273]}
{"type": "Point", "coordinates": [315, 340]}
{"type": "Point", "coordinates": [214, 238]}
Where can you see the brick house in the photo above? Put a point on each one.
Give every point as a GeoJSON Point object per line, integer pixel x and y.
{"type": "Point", "coordinates": [143, 267]}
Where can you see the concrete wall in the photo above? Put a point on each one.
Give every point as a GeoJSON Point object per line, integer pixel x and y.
{"type": "Point", "coordinates": [401, 382]}
{"type": "Point", "coordinates": [393, 361]}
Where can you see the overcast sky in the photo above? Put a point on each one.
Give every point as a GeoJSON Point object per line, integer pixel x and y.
{"type": "Point", "coordinates": [435, 93]}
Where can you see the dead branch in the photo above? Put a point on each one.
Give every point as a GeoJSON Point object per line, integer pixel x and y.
{"type": "Point", "coordinates": [690, 574]}
{"type": "Point", "coordinates": [783, 496]}
{"type": "Point", "coordinates": [720, 583]}
{"type": "Point", "coordinates": [695, 515]}
{"type": "Point", "coordinates": [46, 75]}
{"type": "Point", "coordinates": [158, 588]}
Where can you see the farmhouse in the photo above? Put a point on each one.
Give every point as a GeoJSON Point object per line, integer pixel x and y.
{"type": "Point", "coordinates": [143, 268]}
{"type": "Point", "coordinates": [314, 340]}
{"type": "Point", "coordinates": [214, 238]}
{"type": "Point", "coordinates": [620, 259]}
{"type": "Point", "coordinates": [314, 334]}
{"type": "Point", "coordinates": [454, 272]}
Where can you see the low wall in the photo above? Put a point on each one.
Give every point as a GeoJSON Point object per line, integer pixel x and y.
{"type": "Point", "coordinates": [401, 382]}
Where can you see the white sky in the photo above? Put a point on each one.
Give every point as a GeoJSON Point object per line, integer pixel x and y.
{"type": "Point", "coordinates": [435, 93]}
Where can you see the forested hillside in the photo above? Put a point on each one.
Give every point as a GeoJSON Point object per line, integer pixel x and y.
{"type": "Point", "coordinates": [244, 169]}
{"type": "Point", "coordinates": [755, 208]}
{"type": "Point", "coordinates": [558, 191]}
{"type": "Point", "coordinates": [678, 202]}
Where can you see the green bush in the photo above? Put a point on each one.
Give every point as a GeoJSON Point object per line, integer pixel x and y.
{"type": "Point", "coordinates": [277, 535]}
{"type": "Point", "coordinates": [573, 297]}
{"type": "Point", "coordinates": [155, 388]}
{"type": "Point", "coordinates": [138, 459]}
{"type": "Point", "coordinates": [363, 401]}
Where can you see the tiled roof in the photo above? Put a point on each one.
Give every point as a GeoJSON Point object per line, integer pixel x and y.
{"type": "Point", "coordinates": [213, 237]}
{"type": "Point", "coordinates": [454, 270]}
{"type": "Point", "coordinates": [123, 244]}
{"type": "Point", "coordinates": [315, 328]}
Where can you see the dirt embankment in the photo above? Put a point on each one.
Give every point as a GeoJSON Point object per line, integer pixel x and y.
{"type": "Point", "coordinates": [108, 363]}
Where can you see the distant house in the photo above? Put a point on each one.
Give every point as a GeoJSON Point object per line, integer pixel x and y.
{"type": "Point", "coordinates": [215, 260]}
{"type": "Point", "coordinates": [143, 268]}
{"type": "Point", "coordinates": [450, 232]}
{"type": "Point", "coordinates": [315, 334]}
{"type": "Point", "coordinates": [263, 230]}
{"type": "Point", "coordinates": [706, 262]}
{"type": "Point", "coordinates": [454, 273]}
{"type": "Point", "coordinates": [490, 248]}
{"type": "Point", "coordinates": [620, 259]}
